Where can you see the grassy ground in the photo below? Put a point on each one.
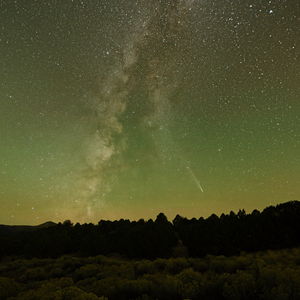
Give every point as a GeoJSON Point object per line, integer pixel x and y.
{"type": "Point", "coordinates": [273, 275]}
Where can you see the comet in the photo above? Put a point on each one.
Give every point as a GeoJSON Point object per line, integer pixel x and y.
{"type": "Point", "coordinates": [196, 180]}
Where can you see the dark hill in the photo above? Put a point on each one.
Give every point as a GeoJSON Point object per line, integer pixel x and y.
{"type": "Point", "coordinates": [22, 228]}
{"type": "Point", "coordinates": [46, 224]}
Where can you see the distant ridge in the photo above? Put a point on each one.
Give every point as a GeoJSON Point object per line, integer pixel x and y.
{"type": "Point", "coordinates": [18, 228]}
{"type": "Point", "coordinates": [47, 224]}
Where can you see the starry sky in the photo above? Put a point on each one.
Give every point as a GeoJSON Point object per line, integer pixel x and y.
{"type": "Point", "coordinates": [123, 109]}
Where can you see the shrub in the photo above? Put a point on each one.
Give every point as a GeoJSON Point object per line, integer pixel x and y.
{"type": "Point", "coordinates": [241, 285]}
{"type": "Point", "coordinates": [8, 288]}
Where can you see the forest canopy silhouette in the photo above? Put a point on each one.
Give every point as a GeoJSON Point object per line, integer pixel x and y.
{"type": "Point", "coordinates": [274, 228]}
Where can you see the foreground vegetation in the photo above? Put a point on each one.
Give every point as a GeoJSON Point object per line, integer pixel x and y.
{"type": "Point", "coordinates": [273, 275]}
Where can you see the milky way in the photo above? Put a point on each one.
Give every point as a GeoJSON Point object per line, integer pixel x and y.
{"type": "Point", "coordinates": [123, 109]}
{"type": "Point", "coordinates": [160, 27]}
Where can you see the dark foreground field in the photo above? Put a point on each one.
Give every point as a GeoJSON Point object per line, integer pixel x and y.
{"type": "Point", "coordinates": [270, 275]}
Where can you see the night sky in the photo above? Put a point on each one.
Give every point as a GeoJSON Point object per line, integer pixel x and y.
{"type": "Point", "coordinates": [126, 108]}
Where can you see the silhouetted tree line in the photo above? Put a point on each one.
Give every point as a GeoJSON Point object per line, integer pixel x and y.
{"type": "Point", "coordinates": [273, 228]}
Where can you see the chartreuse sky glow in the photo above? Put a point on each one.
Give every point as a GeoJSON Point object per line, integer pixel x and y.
{"type": "Point", "coordinates": [124, 109]}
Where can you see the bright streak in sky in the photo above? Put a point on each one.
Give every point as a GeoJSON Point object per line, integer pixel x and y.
{"type": "Point", "coordinates": [195, 179]}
